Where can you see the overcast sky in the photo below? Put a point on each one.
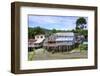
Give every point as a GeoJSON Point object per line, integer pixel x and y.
{"type": "Point", "coordinates": [53, 22]}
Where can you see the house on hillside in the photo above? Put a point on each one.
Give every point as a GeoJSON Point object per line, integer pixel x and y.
{"type": "Point", "coordinates": [62, 41]}
{"type": "Point", "coordinates": [37, 42]}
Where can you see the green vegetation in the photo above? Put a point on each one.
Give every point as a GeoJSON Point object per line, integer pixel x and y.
{"type": "Point", "coordinates": [80, 27]}
{"type": "Point", "coordinates": [38, 30]}
{"type": "Point", "coordinates": [34, 31]}
{"type": "Point", "coordinates": [31, 55]}
{"type": "Point", "coordinates": [77, 48]}
{"type": "Point", "coordinates": [83, 47]}
{"type": "Point", "coordinates": [80, 23]}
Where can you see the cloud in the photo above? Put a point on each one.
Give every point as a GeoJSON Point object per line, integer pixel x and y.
{"type": "Point", "coordinates": [50, 22]}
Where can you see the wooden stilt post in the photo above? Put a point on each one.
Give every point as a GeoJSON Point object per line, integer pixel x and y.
{"type": "Point", "coordinates": [67, 48]}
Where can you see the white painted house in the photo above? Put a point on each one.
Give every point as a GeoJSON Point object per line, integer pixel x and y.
{"type": "Point", "coordinates": [37, 42]}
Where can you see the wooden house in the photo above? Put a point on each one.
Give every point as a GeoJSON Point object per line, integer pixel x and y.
{"type": "Point", "coordinates": [37, 42]}
{"type": "Point", "coordinates": [62, 41]}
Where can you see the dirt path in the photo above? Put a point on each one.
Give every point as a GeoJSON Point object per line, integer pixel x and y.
{"type": "Point", "coordinates": [41, 54]}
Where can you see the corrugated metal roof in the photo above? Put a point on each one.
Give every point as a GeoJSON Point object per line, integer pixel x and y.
{"type": "Point", "coordinates": [64, 39]}
{"type": "Point", "coordinates": [64, 34]}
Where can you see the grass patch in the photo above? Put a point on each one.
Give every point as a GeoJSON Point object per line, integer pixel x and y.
{"type": "Point", "coordinates": [77, 48]}
{"type": "Point", "coordinates": [31, 55]}
{"type": "Point", "coordinates": [83, 47]}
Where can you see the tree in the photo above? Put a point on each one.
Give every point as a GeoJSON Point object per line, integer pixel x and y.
{"type": "Point", "coordinates": [35, 31]}
{"type": "Point", "coordinates": [38, 30]}
{"type": "Point", "coordinates": [54, 31]}
{"type": "Point", "coordinates": [80, 23]}
{"type": "Point", "coordinates": [30, 33]}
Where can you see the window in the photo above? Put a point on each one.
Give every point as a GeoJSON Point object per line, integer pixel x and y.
{"type": "Point", "coordinates": [41, 36]}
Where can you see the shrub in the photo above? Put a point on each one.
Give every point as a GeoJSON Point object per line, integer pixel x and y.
{"type": "Point", "coordinates": [83, 46]}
